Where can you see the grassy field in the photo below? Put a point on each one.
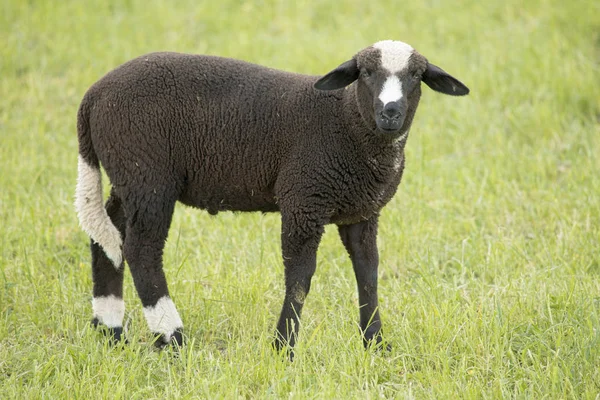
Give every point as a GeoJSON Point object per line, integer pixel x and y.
{"type": "Point", "coordinates": [490, 258]}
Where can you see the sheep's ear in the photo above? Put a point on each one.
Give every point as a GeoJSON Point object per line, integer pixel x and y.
{"type": "Point", "coordinates": [340, 77]}
{"type": "Point", "coordinates": [440, 81]}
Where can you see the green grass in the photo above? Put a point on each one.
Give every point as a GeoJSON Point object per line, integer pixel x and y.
{"type": "Point", "coordinates": [490, 251]}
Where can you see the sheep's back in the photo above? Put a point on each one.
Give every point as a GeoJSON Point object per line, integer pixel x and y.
{"type": "Point", "coordinates": [219, 128]}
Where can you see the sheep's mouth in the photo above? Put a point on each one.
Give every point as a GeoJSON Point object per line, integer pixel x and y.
{"type": "Point", "coordinates": [389, 126]}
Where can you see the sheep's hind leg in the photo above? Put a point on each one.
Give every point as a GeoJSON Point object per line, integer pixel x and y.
{"type": "Point", "coordinates": [300, 239]}
{"type": "Point", "coordinates": [108, 305]}
{"type": "Point", "coordinates": [360, 241]}
{"type": "Point", "coordinates": [147, 231]}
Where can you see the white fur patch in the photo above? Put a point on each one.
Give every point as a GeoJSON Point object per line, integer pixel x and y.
{"type": "Point", "coordinates": [109, 310]}
{"type": "Point", "coordinates": [394, 54]}
{"type": "Point", "coordinates": [391, 91]}
{"type": "Point", "coordinates": [399, 158]}
{"type": "Point", "coordinates": [163, 317]}
{"type": "Point", "coordinates": [400, 139]}
{"type": "Point", "coordinates": [92, 215]}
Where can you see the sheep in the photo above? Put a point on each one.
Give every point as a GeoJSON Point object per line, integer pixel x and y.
{"type": "Point", "coordinates": [225, 135]}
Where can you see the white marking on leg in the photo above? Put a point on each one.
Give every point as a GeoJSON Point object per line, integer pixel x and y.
{"type": "Point", "coordinates": [391, 91]}
{"type": "Point", "coordinates": [394, 54]}
{"type": "Point", "coordinates": [109, 310]}
{"type": "Point", "coordinates": [163, 318]}
{"type": "Point", "coordinates": [91, 212]}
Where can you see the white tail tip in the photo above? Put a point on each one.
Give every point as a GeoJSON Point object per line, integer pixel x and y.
{"type": "Point", "coordinates": [92, 215]}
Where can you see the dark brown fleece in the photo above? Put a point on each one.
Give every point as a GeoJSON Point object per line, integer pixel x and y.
{"type": "Point", "coordinates": [224, 134]}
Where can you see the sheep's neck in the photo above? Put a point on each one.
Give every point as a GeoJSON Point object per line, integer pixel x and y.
{"type": "Point", "coordinates": [361, 126]}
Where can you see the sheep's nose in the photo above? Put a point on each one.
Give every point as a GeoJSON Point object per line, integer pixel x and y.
{"type": "Point", "coordinates": [391, 110]}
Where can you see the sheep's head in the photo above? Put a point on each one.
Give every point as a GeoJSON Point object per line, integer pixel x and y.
{"type": "Point", "coordinates": [388, 79]}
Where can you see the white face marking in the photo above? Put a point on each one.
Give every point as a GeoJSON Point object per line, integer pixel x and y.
{"type": "Point", "coordinates": [394, 58]}
{"type": "Point", "coordinates": [91, 212]}
{"type": "Point", "coordinates": [394, 55]}
{"type": "Point", "coordinates": [109, 310]}
{"type": "Point", "coordinates": [163, 317]}
{"type": "Point", "coordinates": [391, 91]}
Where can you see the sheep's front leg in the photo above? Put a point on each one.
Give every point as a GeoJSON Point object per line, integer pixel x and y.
{"type": "Point", "coordinates": [300, 239]}
{"type": "Point", "coordinates": [360, 241]}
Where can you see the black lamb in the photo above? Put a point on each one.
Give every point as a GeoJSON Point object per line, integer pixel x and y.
{"type": "Point", "coordinates": [222, 134]}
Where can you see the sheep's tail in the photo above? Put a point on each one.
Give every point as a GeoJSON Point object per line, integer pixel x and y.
{"type": "Point", "coordinates": [88, 195]}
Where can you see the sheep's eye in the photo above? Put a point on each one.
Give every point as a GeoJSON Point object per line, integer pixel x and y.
{"type": "Point", "coordinates": [416, 76]}
{"type": "Point", "coordinates": [365, 73]}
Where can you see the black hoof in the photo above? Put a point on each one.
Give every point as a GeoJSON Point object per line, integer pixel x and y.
{"type": "Point", "coordinates": [176, 339]}
{"type": "Point", "coordinates": [114, 335]}
{"type": "Point", "coordinates": [377, 344]}
{"type": "Point", "coordinates": [283, 348]}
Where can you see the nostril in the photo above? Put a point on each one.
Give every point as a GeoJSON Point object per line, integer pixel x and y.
{"type": "Point", "coordinates": [391, 109]}
{"type": "Point", "coordinates": [391, 116]}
